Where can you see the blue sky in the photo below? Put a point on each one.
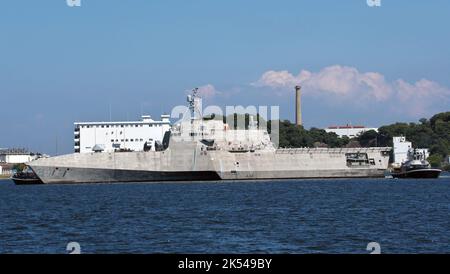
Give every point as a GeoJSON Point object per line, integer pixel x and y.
{"type": "Point", "coordinates": [356, 64]}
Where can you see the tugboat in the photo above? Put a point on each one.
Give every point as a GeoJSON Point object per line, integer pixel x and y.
{"type": "Point", "coordinates": [415, 167]}
{"type": "Point", "coordinates": [26, 177]}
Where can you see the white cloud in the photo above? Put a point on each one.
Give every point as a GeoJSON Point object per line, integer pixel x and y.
{"type": "Point", "coordinates": [342, 81]}
{"type": "Point", "coordinates": [421, 96]}
{"type": "Point", "coordinates": [208, 91]}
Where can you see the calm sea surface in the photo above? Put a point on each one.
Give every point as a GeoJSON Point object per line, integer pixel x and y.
{"type": "Point", "coordinates": [302, 216]}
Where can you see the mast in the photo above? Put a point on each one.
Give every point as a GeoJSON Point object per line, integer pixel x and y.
{"type": "Point", "coordinates": [195, 105]}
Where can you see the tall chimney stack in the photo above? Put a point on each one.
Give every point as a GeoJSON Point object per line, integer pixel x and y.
{"type": "Point", "coordinates": [298, 106]}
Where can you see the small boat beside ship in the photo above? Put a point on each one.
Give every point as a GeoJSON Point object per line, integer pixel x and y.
{"type": "Point", "coordinates": [416, 166]}
{"type": "Point", "coordinates": [26, 177]}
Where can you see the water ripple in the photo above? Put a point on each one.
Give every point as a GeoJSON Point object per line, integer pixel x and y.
{"type": "Point", "coordinates": [304, 216]}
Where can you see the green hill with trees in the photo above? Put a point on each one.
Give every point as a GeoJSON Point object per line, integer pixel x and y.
{"type": "Point", "coordinates": [433, 134]}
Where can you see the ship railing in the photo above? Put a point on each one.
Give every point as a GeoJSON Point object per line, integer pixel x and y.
{"type": "Point", "coordinates": [328, 150]}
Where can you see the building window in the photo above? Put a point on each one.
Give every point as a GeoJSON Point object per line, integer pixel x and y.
{"type": "Point", "coordinates": [112, 140]}
{"type": "Point", "coordinates": [131, 140]}
{"type": "Point", "coordinates": [143, 140]}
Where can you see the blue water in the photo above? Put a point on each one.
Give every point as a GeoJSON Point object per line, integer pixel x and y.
{"type": "Point", "coordinates": [305, 216]}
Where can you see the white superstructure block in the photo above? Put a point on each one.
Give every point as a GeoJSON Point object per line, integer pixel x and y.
{"type": "Point", "coordinates": [401, 148]}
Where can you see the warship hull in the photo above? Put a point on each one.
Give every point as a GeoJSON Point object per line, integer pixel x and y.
{"type": "Point", "coordinates": [189, 162]}
{"type": "Point", "coordinates": [93, 175]}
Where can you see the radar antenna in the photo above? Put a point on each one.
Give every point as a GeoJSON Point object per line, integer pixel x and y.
{"type": "Point", "coordinates": [194, 101]}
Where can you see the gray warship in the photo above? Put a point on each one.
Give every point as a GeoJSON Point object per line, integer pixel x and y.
{"type": "Point", "coordinates": [196, 149]}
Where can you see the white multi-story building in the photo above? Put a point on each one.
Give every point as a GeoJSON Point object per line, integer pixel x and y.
{"type": "Point", "coordinates": [115, 136]}
{"type": "Point", "coordinates": [349, 131]}
{"type": "Point", "coordinates": [16, 156]}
